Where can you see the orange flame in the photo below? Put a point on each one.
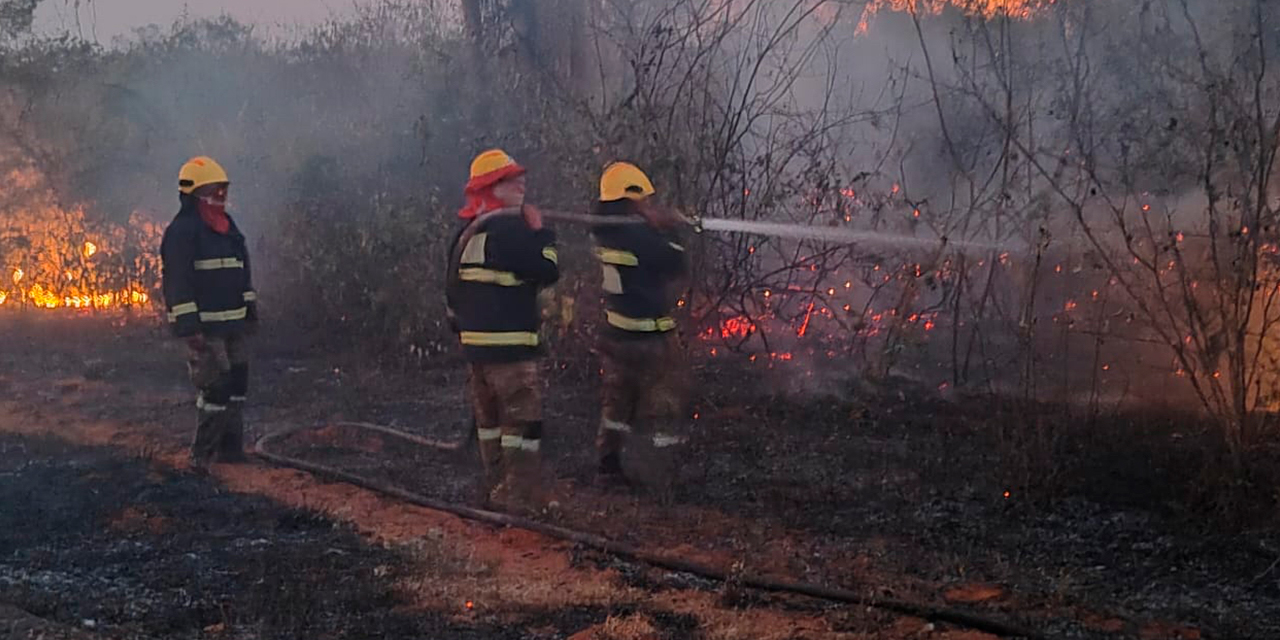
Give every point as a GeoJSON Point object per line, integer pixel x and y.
{"type": "Point", "coordinates": [59, 257]}
{"type": "Point", "coordinates": [1016, 9]}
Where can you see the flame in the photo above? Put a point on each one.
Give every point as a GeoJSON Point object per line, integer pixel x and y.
{"type": "Point", "coordinates": [53, 263]}
{"type": "Point", "coordinates": [1016, 9]}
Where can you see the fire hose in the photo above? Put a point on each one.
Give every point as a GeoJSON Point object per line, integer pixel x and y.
{"type": "Point", "coordinates": [618, 549]}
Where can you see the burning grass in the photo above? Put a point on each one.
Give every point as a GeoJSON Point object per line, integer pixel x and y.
{"type": "Point", "coordinates": [1019, 9]}
{"type": "Point", "coordinates": [59, 256]}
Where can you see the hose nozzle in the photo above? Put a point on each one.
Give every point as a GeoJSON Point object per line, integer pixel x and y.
{"type": "Point", "coordinates": [694, 221]}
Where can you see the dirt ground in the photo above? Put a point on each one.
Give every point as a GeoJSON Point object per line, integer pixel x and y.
{"type": "Point", "coordinates": [104, 531]}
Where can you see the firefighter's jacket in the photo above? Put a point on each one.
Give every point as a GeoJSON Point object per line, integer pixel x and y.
{"type": "Point", "coordinates": [639, 264]}
{"type": "Point", "coordinates": [493, 292]}
{"type": "Point", "coordinates": [207, 283]}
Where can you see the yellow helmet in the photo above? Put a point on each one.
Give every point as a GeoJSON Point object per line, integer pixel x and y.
{"type": "Point", "coordinates": [490, 161]}
{"type": "Point", "coordinates": [491, 167]}
{"type": "Point", "coordinates": [624, 180]}
{"type": "Point", "coordinates": [198, 172]}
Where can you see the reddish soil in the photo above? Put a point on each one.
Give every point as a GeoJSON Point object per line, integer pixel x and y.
{"type": "Point", "coordinates": [881, 497]}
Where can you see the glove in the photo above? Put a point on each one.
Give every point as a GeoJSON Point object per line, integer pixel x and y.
{"type": "Point", "coordinates": [251, 318]}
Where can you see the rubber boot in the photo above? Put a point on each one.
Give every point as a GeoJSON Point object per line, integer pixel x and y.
{"type": "Point", "coordinates": [609, 471]}
{"type": "Point", "coordinates": [504, 492]}
{"type": "Point", "coordinates": [531, 495]}
{"type": "Point", "coordinates": [231, 449]}
{"type": "Point", "coordinates": [609, 445]}
{"type": "Point", "coordinates": [652, 465]}
{"type": "Point", "coordinates": [492, 463]}
{"type": "Point", "coordinates": [522, 490]}
{"type": "Point", "coordinates": [209, 429]}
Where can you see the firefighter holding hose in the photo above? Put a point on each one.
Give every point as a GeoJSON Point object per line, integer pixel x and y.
{"type": "Point", "coordinates": [500, 260]}
{"type": "Point", "coordinates": [212, 305]}
{"type": "Point", "coordinates": [644, 374]}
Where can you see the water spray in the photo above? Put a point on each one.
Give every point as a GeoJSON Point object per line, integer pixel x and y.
{"type": "Point", "coordinates": [835, 235]}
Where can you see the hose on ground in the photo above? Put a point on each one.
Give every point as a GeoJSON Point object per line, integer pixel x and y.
{"type": "Point", "coordinates": [628, 552]}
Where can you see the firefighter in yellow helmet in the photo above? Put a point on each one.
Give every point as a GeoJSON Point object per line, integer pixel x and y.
{"type": "Point", "coordinates": [209, 293]}
{"type": "Point", "coordinates": [645, 379]}
{"type": "Point", "coordinates": [501, 258]}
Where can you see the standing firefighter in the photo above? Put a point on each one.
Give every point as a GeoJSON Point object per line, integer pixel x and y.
{"type": "Point", "coordinates": [500, 260]}
{"type": "Point", "coordinates": [645, 376]}
{"type": "Point", "coordinates": [212, 305]}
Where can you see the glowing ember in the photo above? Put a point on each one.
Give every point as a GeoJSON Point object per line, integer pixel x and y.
{"type": "Point", "coordinates": [90, 249]}
{"type": "Point", "coordinates": [739, 327]}
{"type": "Point", "coordinates": [804, 327]}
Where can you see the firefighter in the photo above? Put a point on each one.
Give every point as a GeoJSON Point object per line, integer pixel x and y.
{"type": "Point", "coordinates": [500, 260]}
{"type": "Point", "coordinates": [642, 362]}
{"type": "Point", "coordinates": [212, 305]}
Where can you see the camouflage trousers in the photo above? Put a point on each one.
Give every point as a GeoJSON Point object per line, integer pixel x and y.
{"type": "Point", "coordinates": [220, 371]}
{"type": "Point", "coordinates": [506, 403]}
{"type": "Point", "coordinates": [644, 405]}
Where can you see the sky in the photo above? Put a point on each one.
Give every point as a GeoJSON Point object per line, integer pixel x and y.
{"type": "Point", "coordinates": [104, 20]}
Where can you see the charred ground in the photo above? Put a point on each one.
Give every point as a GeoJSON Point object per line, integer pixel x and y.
{"type": "Point", "coordinates": [880, 493]}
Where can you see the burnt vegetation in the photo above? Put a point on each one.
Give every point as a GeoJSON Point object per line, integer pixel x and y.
{"type": "Point", "coordinates": [1116, 348]}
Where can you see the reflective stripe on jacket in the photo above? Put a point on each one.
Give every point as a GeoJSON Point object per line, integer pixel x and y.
{"type": "Point", "coordinates": [638, 264]}
{"type": "Point", "coordinates": [208, 287]}
{"type": "Point", "coordinates": [494, 300]}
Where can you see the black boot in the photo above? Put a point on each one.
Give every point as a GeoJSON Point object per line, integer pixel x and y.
{"type": "Point", "coordinates": [209, 431]}
{"type": "Point", "coordinates": [609, 471]}
{"type": "Point", "coordinates": [231, 444]}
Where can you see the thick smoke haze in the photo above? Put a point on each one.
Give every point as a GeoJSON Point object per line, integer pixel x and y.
{"type": "Point", "coordinates": [1078, 138]}
{"type": "Point", "coordinates": [105, 20]}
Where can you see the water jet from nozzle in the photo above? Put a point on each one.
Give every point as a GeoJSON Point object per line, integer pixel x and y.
{"type": "Point", "coordinates": [834, 235]}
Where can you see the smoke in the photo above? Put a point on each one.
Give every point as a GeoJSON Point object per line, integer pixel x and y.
{"type": "Point", "coordinates": [1003, 131]}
